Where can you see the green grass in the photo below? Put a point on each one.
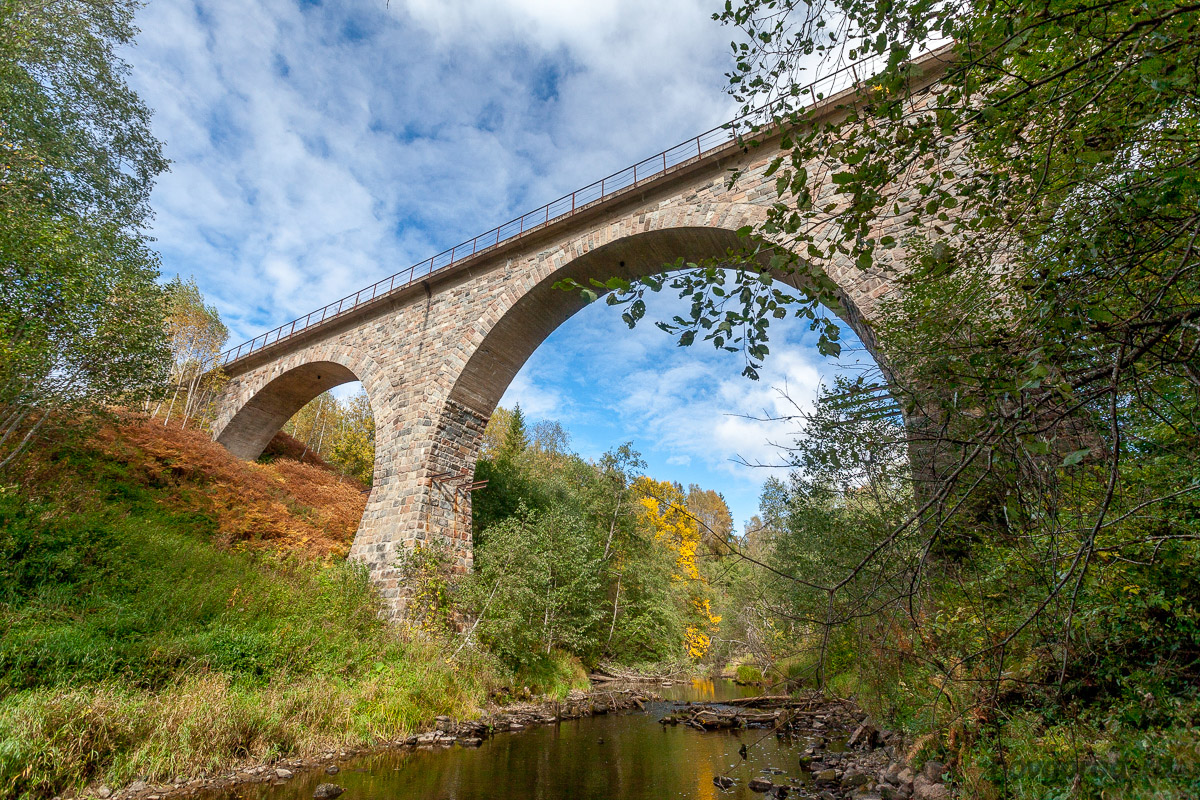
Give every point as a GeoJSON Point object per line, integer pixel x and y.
{"type": "Point", "coordinates": [133, 645]}
{"type": "Point", "coordinates": [748, 673]}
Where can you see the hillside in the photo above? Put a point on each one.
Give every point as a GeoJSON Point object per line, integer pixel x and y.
{"type": "Point", "coordinates": [168, 610]}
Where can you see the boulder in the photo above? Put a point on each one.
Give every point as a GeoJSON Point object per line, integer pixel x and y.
{"type": "Point", "coordinates": [933, 771]}
{"type": "Point", "coordinates": [283, 774]}
{"type": "Point", "coordinates": [760, 785]}
{"type": "Point", "coordinates": [825, 776]}
{"type": "Point", "coordinates": [853, 779]}
{"type": "Point", "coordinates": [925, 789]}
{"type": "Point", "coordinates": [104, 793]}
{"type": "Point", "coordinates": [327, 791]}
{"type": "Point", "coordinates": [866, 735]}
{"type": "Point", "coordinates": [723, 782]}
{"type": "Point", "coordinates": [332, 769]}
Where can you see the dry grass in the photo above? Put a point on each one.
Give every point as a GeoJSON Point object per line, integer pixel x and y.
{"type": "Point", "coordinates": [284, 504]}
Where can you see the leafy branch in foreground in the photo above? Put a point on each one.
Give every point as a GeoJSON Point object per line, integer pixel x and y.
{"type": "Point", "coordinates": [1038, 211]}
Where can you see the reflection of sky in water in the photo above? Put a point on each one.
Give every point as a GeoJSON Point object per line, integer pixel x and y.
{"type": "Point", "coordinates": [627, 756]}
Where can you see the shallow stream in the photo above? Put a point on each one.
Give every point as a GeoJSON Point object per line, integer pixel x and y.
{"type": "Point", "coordinates": [618, 756]}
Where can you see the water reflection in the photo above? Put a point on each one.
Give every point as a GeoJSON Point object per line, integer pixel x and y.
{"type": "Point", "coordinates": [626, 756]}
{"type": "Point", "coordinates": [707, 690]}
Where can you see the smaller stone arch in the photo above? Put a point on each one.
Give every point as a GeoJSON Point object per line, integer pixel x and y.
{"type": "Point", "coordinates": [251, 428]}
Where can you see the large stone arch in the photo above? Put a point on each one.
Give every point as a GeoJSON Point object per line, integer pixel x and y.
{"type": "Point", "coordinates": [497, 342]}
{"type": "Point", "coordinates": [257, 405]}
{"type": "Point", "coordinates": [513, 327]}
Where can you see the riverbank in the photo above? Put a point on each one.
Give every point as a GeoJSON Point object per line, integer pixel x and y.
{"type": "Point", "coordinates": [842, 754]}
{"type": "Point", "coordinates": [441, 732]}
{"type": "Point", "coordinates": [167, 610]}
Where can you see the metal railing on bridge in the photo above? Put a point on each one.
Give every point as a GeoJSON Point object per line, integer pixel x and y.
{"type": "Point", "coordinates": [680, 155]}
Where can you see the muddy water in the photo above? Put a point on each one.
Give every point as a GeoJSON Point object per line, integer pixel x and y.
{"type": "Point", "coordinates": [625, 756]}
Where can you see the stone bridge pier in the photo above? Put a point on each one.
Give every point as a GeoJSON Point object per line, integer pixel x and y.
{"type": "Point", "coordinates": [435, 356]}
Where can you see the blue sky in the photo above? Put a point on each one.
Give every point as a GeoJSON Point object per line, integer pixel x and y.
{"type": "Point", "coordinates": [318, 147]}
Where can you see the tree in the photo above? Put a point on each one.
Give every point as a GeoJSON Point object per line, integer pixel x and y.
{"type": "Point", "coordinates": [353, 451]}
{"type": "Point", "coordinates": [340, 432]}
{"type": "Point", "coordinates": [1042, 348]}
{"type": "Point", "coordinates": [195, 337]}
{"type": "Point", "coordinates": [712, 513]}
{"type": "Point", "coordinates": [537, 587]}
{"type": "Point", "coordinates": [80, 312]}
{"type": "Point", "coordinates": [664, 512]}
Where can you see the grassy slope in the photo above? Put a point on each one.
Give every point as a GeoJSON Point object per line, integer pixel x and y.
{"type": "Point", "coordinates": [166, 609]}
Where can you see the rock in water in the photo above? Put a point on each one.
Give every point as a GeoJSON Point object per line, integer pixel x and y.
{"type": "Point", "coordinates": [761, 785]}
{"type": "Point", "coordinates": [327, 791]}
{"type": "Point", "coordinates": [723, 782]}
{"type": "Point", "coordinates": [332, 769]}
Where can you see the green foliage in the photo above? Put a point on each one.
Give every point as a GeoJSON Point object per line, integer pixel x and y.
{"type": "Point", "coordinates": [340, 432]}
{"type": "Point", "coordinates": [537, 587]}
{"type": "Point", "coordinates": [80, 312]}
{"type": "Point", "coordinates": [133, 645]}
{"type": "Point", "coordinates": [565, 558]}
{"type": "Point", "coordinates": [748, 673]}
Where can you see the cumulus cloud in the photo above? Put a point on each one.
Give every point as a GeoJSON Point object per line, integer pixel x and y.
{"type": "Point", "coordinates": [318, 147]}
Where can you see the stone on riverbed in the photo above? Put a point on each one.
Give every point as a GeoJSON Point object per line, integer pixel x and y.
{"type": "Point", "coordinates": [760, 785]}
{"type": "Point", "coordinates": [327, 791]}
{"type": "Point", "coordinates": [283, 774]}
{"type": "Point", "coordinates": [723, 782]}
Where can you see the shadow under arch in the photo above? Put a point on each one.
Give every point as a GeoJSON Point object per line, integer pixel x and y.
{"type": "Point", "coordinates": [522, 324]}
{"type": "Point", "coordinates": [263, 415]}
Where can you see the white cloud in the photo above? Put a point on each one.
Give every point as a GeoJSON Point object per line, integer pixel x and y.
{"type": "Point", "coordinates": [318, 148]}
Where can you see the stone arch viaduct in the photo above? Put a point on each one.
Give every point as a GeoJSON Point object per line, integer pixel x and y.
{"type": "Point", "coordinates": [436, 346]}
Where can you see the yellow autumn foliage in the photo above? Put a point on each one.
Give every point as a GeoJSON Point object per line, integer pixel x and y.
{"type": "Point", "coordinates": [663, 509]}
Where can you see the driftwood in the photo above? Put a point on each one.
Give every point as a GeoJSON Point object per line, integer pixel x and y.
{"type": "Point", "coordinates": [612, 675]}
{"type": "Point", "coordinates": [769, 701]}
{"type": "Point", "coordinates": [705, 718]}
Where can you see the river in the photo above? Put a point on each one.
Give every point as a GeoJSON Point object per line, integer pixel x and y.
{"type": "Point", "coordinates": [619, 756]}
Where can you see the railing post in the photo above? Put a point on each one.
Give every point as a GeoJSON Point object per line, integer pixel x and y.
{"type": "Point", "coordinates": [635, 174]}
{"type": "Point", "coordinates": [572, 201]}
{"type": "Point", "coordinates": [664, 160]}
{"type": "Point", "coordinates": [602, 188]}
{"type": "Point", "coordinates": [453, 250]}
{"type": "Point", "coordinates": [474, 242]}
{"type": "Point", "coordinates": [699, 152]}
{"type": "Point", "coordinates": [547, 213]}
